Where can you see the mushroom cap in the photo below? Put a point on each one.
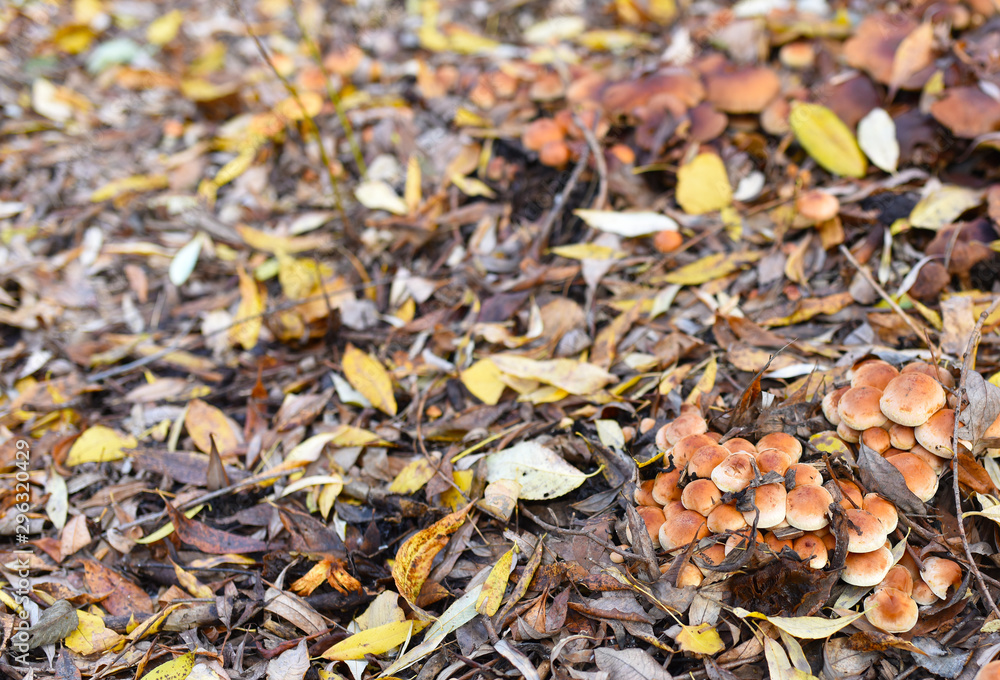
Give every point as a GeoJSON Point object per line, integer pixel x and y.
{"type": "Point", "coordinates": [684, 527]}
{"type": "Point", "coordinates": [713, 554]}
{"type": "Point", "coordinates": [867, 569]}
{"type": "Point", "coordinates": [725, 518]}
{"type": "Point", "coordinates": [935, 434]}
{"type": "Point", "coordinates": [773, 460]}
{"type": "Point", "coordinates": [653, 517]}
{"type": "Point", "coordinates": [672, 508]}
{"type": "Point", "coordinates": [644, 494]}
{"type": "Point", "coordinates": [891, 610]}
{"type": "Point", "coordinates": [873, 373]}
{"type": "Point", "coordinates": [738, 540]}
{"type": "Point", "coordinates": [919, 477]}
{"type": "Point", "coordinates": [740, 445]}
{"type": "Point", "coordinates": [898, 577]}
{"type": "Point", "coordinates": [806, 507]}
{"type": "Point", "coordinates": [922, 593]}
{"type": "Point", "coordinates": [646, 424]}
{"type": "Point", "coordinates": [776, 544]}
{"type": "Point", "coordinates": [706, 459]}
{"type": "Point", "coordinates": [784, 442]}
{"type": "Point", "coordinates": [797, 55]}
{"type": "Point", "coordinates": [682, 426]}
{"type": "Point", "coordinates": [685, 448]}
{"type": "Point", "coordinates": [702, 496]}
{"type": "Point", "coordinates": [849, 490]}
{"type": "Point", "coordinates": [770, 501]}
{"type": "Point", "coordinates": [990, 671]}
{"type": "Point", "coordinates": [817, 205]}
{"type": "Point", "coordinates": [802, 474]}
{"type": "Point", "coordinates": [936, 463]}
{"type": "Point", "coordinates": [811, 547]}
{"type": "Point", "coordinates": [940, 574]}
{"type": "Point", "coordinates": [901, 437]}
{"type": "Point", "coordinates": [876, 439]}
{"type": "Point", "coordinates": [689, 576]}
{"type": "Point", "coordinates": [939, 373]}
{"type": "Point", "coordinates": [830, 541]}
{"type": "Point", "coordinates": [540, 132]}
{"type": "Point", "coordinates": [734, 473]}
{"type": "Point", "coordinates": [830, 402]}
{"type": "Point", "coordinates": [848, 434]}
{"type": "Point", "coordinates": [665, 487]}
{"type": "Point", "coordinates": [911, 398]}
{"type": "Point", "coordinates": [744, 90]}
{"type": "Point", "coordinates": [883, 510]}
{"type": "Point", "coordinates": [865, 533]}
{"type": "Point", "coordinates": [859, 408]}
{"type": "Point", "coordinates": [554, 154]}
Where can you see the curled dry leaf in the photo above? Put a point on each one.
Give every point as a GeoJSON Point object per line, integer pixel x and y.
{"type": "Point", "coordinates": [416, 554]}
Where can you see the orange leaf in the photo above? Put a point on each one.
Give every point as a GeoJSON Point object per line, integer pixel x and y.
{"type": "Point", "coordinates": [414, 557]}
{"type": "Point", "coordinates": [203, 421]}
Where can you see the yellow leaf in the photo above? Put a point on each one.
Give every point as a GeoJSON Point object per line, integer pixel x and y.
{"type": "Point", "coordinates": [491, 595]}
{"type": "Point", "coordinates": [191, 583]}
{"type": "Point", "coordinates": [290, 108]}
{"type": "Point", "coordinates": [73, 38]}
{"type": "Point", "coordinates": [827, 139]}
{"type": "Point", "coordinates": [249, 318]}
{"type": "Point", "coordinates": [587, 251]}
{"type": "Point", "coordinates": [377, 640]}
{"type": "Point", "coordinates": [378, 195]}
{"type": "Point", "coordinates": [413, 477]}
{"type": "Point", "coordinates": [367, 375]}
{"type": "Point", "coordinates": [175, 669]}
{"type": "Point", "coordinates": [803, 627]}
{"type": "Point", "coordinates": [828, 442]}
{"type": "Point", "coordinates": [703, 186]}
{"type": "Point", "coordinates": [168, 528]}
{"type": "Point", "coordinates": [810, 307]}
{"type": "Point", "coordinates": [464, 41]}
{"type": "Point", "coordinates": [943, 206]}
{"type": "Point", "coordinates": [412, 190]}
{"type": "Point", "coordinates": [470, 186]}
{"type": "Point", "coordinates": [451, 497]}
{"type": "Point", "coordinates": [416, 554]}
{"type": "Point", "coordinates": [85, 11]}
{"type": "Point", "coordinates": [272, 243]}
{"type": "Point", "coordinates": [99, 444]}
{"type": "Point", "coordinates": [134, 184]}
{"type": "Point", "coordinates": [92, 636]}
{"type": "Point", "coordinates": [298, 277]}
{"type": "Point", "coordinates": [151, 625]}
{"type": "Point", "coordinates": [344, 436]}
{"type": "Point", "coordinates": [612, 40]}
{"type": "Point", "coordinates": [165, 28]}
{"type": "Point", "coordinates": [711, 267]}
{"type": "Point", "coordinates": [703, 639]}
{"type": "Point", "coordinates": [204, 421]}
{"type": "Point", "coordinates": [705, 383]}
{"type": "Point", "coordinates": [466, 118]}
{"type": "Point", "coordinates": [575, 377]}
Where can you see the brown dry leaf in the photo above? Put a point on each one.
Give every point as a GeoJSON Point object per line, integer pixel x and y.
{"type": "Point", "coordinates": [75, 536]}
{"type": "Point", "coordinates": [914, 54]}
{"type": "Point", "coordinates": [368, 376]}
{"type": "Point", "coordinates": [205, 422]}
{"type": "Point", "coordinates": [415, 557]}
{"type": "Point", "coordinates": [209, 540]}
{"type": "Point", "coordinates": [123, 596]}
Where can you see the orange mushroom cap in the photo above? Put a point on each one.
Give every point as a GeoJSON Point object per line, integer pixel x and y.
{"type": "Point", "coordinates": [911, 398]}
{"type": "Point", "coordinates": [891, 610]}
{"type": "Point", "coordinates": [873, 373]}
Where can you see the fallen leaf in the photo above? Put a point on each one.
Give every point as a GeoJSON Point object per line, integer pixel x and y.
{"type": "Point", "coordinates": [209, 540]}
{"type": "Point", "coordinates": [701, 639]}
{"type": "Point", "coordinates": [205, 422]}
{"type": "Point", "coordinates": [877, 138]}
{"type": "Point", "coordinates": [627, 224]}
{"type": "Point", "coordinates": [629, 664]}
{"type": "Point", "coordinates": [291, 664]}
{"type": "Point", "coordinates": [367, 375]}
{"type": "Point", "coordinates": [91, 636]}
{"type": "Point", "coordinates": [827, 139]}
{"type": "Point", "coordinates": [249, 317]}
{"type": "Point", "coordinates": [378, 195]}
{"type": "Point", "coordinates": [703, 185]}
{"type": "Point", "coordinates": [378, 640]}
{"type": "Point", "coordinates": [175, 669]}
{"type": "Point", "coordinates": [804, 627]}
{"type": "Point", "coordinates": [99, 444]}
{"type": "Point", "coordinates": [491, 596]}
{"type": "Point", "coordinates": [416, 554]}
{"type": "Point", "coordinates": [944, 205]}
{"type": "Point", "coordinates": [914, 54]}
{"type": "Point", "coordinates": [711, 267]}
{"type": "Point", "coordinates": [540, 471]}
{"type": "Point", "coordinates": [482, 379]}
{"type": "Point", "coordinates": [575, 377]}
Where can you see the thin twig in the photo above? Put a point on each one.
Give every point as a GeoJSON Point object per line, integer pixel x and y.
{"type": "Point", "coordinates": [542, 241]}
{"type": "Point", "coordinates": [143, 361]}
{"type": "Point", "coordinates": [602, 167]}
{"type": "Point", "coordinates": [921, 332]}
{"type": "Point", "coordinates": [576, 532]}
{"type": "Point", "coordinates": [967, 359]}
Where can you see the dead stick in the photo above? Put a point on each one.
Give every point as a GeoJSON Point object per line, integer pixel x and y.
{"type": "Point", "coordinates": [542, 242]}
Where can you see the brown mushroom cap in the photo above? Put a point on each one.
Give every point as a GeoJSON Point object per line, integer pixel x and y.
{"type": "Point", "coordinates": [848, 434]}
{"type": "Point", "coordinates": [876, 438]}
{"type": "Point", "coordinates": [706, 459]}
{"type": "Point", "coordinates": [867, 569]}
{"type": "Point", "coordinates": [685, 448]}
{"type": "Point", "coordinates": [811, 548]}
{"type": "Point", "coordinates": [853, 498]}
{"type": "Point", "coordinates": [738, 540]}
{"type": "Point", "coordinates": [935, 435]}
{"type": "Point", "coordinates": [702, 496]}
{"type": "Point", "coordinates": [939, 373]}
{"type": "Point", "coordinates": [922, 593]}
{"type": "Point", "coordinates": [653, 517]}
{"type": "Point", "coordinates": [865, 533]}
{"type": "Point", "coordinates": [883, 510]}
{"type": "Point", "coordinates": [681, 529]}
{"type": "Point", "coordinates": [776, 544]}
{"type": "Point", "coordinates": [817, 205]}
{"type": "Point", "coordinates": [891, 610]}
{"type": "Point", "coordinates": [725, 518]}
{"type": "Point", "coordinates": [782, 441]}
{"type": "Point", "coordinates": [740, 445]}
{"type": "Point", "coordinates": [682, 426]}
{"type": "Point", "coordinates": [644, 494]}
{"type": "Point", "coordinates": [540, 132]}
{"type": "Point", "coordinates": [859, 408]}
{"type": "Point", "coordinates": [911, 398]}
{"type": "Point", "coordinates": [901, 437]}
{"type": "Point", "coordinates": [713, 554]}
{"type": "Point", "coordinates": [919, 477]}
{"type": "Point", "coordinates": [770, 501]}
{"type": "Point", "coordinates": [940, 574]}
{"type": "Point", "coordinates": [773, 460]}
{"type": "Point", "coordinates": [830, 402]}
{"type": "Point", "coordinates": [936, 463]}
{"type": "Point", "coordinates": [665, 487]}
{"type": "Point", "coordinates": [873, 373]}
{"type": "Point", "coordinates": [830, 541]}
{"type": "Point", "coordinates": [745, 90]}
{"type": "Point", "coordinates": [990, 671]}
{"type": "Point", "coordinates": [898, 577]}
{"type": "Point", "coordinates": [690, 576]}
{"type": "Point", "coordinates": [672, 508]}
{"type": "Point", "coordinates": [797, 55]}
{"type": "Point", "coordinates": [802, 474]}
{"type": "Point", "coordinates": [807, 507]}
{"type": "Point", "coordinates": [734, 473]}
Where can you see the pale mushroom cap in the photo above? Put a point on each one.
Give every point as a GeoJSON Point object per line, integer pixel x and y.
{"type": "Point", "coordinates": [874, 373]}
{"type": "Point", "coordinates": [883, 510]}
{"type": "Point", "coordinates": [644, 494]}
{"type": "Point", "coordinates": [776, 544]}
{"type": "Point", "coordinates": [849, 490]}
{"type": "Point", "coordinates": [817, 205]}
{"type": "Point", "coordinates": [865, 533]}
{"type": "Point", "coordinates": [911, 398]}
{"type": "Point", "coordinates": [876, 438]}
{"type": "Point", "coordinates": [898, 577]}
{"type": "Point", "coordinates": [922, 593]}
{"type": "Point", "coordinates": [739, 540]}
{"type": "Point", "coordinates": [681, 529]}
{"type": "Point", "coordinates": [811, 547]}
{"type": "Point", "coordinates": [773, 460]}
{"type": "Point", "coordinates": [806, 507]}
{"type": "Point", "coordinates": [891, 610]}
{"type": "Point", "coordinates": [803, 475]}
{"type": "Point", "coordinates": [705, 459]}
{"type": "Point", "coordinates": [936, 463]}
{"type": "Point", "coordinates": [859, 408]}
{"type": "Point", "coordinates": [901, 437]}
{"type": "Point", "coordinates": [682, 426]}
{"type": "Point", "coordinates": [702, 496]}
{"type": "Point", "coordinates": [646, 424]}
{"type": "Point", "coordinates": [830, 402]}
{"type": "Point", "coordinates": [919, 477]}
{"type": "Point", "coordinates": [685, 448]}
{"type": "Point", "coordinates": [939, 373]}
{"type": "Point", "coordinates": [665, 488]}
{"type": "Point", "coordinates": [867, 569]}
{"type": "Point", "coordinates": [770, 501]}
{"type": "Point", "coordinates": [734, 473]}
{"type": "Point", "coordinates": [740, 445]}
{"type": "Point", "coordinates": [725, 518]}
{"type": "Point", "coordinates": [797, 55]}
{"type": "Point", "coordinates": [848, 434]}
{"type": "Point", "coordinates": [935, 435]}
{"type": "Point", "coordinates": [784, 442]}
{"type": "Point", "coordinates": [940, 574]}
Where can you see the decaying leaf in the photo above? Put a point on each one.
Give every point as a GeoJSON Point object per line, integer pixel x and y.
{"type": "Point", "coordinates": [415, 555]}
{"type": "Point", "coordinates": [367, 375]}
{"type": "Point", "coordinates": [209, 540]}
{"type": "Point", "coordinates": [540, 471]}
